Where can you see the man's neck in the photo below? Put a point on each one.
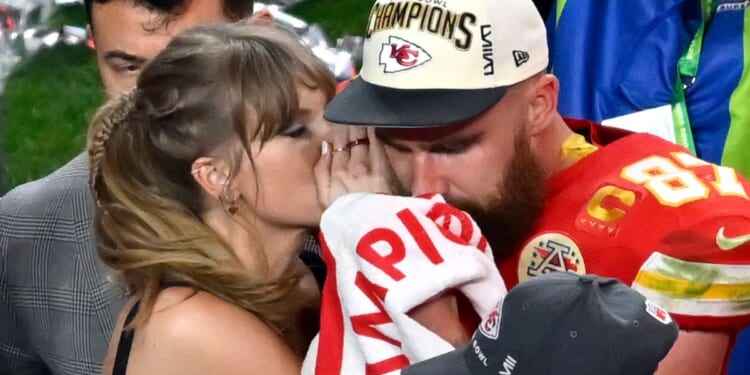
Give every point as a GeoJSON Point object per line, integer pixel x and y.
{"type": "Point", "coordinates": [548, 147]}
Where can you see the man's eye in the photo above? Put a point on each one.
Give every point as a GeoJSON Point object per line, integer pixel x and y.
{"type": "Point", "coordinates": [297, 132]}
{"type": "Point", "coordinates": [400, 150]}
{"type": "Point", "coordinates": [450, 148]}
{"type": "Point", "coordinates": [126, 68]}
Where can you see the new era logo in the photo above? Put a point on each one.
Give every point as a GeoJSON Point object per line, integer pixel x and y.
{"type": "Point", "coordinates": [520, 57]}
{"type": "Point", "coordinates": [400, 54]}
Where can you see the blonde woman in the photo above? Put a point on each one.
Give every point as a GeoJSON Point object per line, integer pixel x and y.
{"type": "Point", "coordinates": [203, 177]}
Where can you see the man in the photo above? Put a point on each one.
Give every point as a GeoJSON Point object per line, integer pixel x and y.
{"type": "Point", "coordinates": [459, 94]}
{"type": "Point", "coordinates": [58, 305]}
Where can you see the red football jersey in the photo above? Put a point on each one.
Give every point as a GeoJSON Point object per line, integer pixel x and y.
{"type": "Point", "coordinates": [647, 212]}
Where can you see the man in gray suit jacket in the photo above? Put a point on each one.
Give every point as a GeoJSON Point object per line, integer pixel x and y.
{"type": "Point", "coordinates": [58, 303]}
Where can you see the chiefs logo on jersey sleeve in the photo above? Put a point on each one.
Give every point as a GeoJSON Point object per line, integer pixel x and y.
{"type": "Point", "coordinates": [550, 252]}
{"type": "Point", "coordinates": [399, 54]}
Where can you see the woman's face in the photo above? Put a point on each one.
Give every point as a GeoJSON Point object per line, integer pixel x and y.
{"type": "Point", "coordinates": [280, 185]}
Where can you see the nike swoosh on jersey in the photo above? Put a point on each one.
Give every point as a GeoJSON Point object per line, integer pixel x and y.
{"type": "Point", "coordinates": [730, 243]}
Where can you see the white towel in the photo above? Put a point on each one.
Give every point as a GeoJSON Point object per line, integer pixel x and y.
{"type": "Point", "coordinates": [386, 255]}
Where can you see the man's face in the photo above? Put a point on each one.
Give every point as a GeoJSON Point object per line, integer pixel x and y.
{"type": "Point", "coordinates": [127, 36]}
{"type": "Point", "coordinates": [484, 166]}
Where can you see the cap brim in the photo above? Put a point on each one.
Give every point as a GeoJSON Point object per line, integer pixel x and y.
{"type": "Point", "coordinates": [451, 363]}
{"type": "Point", "coordinates": [363, 103]}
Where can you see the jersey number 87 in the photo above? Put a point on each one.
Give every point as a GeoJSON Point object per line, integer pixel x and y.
{"type": "Point", "coordinates": [674, 182]}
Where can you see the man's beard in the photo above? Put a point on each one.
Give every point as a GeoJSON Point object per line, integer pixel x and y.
{"type": "Point", "coordinates": [510, 217]}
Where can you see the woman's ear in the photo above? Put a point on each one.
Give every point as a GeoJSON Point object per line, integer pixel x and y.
{"type": "Point", "coordinates": [543, 95]}
{"type": "Point", "coordinates": [212, 176]}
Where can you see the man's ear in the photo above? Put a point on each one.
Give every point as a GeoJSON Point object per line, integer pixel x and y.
{"type": "Point", "coordinates": [211, 175]}
{"type": "Point", "coordinates": [544, 95]}
{"type": "Point", "coordinates": [262, 17]}
{"type": "Point", "coordinates": [90, 37]}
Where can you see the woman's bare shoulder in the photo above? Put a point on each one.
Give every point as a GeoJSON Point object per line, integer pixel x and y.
{"type": "Point", "coordinates": [196, 332]}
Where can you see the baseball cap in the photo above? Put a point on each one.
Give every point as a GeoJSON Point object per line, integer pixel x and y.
{"type": "Point", "coordinates": [562, 323]}
{"type": "Point", "coordinates": [438, 62]}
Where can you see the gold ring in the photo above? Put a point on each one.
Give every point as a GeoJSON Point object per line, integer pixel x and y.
{"type": "Point", "coordinates": [361, 141]}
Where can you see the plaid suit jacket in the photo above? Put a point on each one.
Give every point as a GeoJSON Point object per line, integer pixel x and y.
{"type": "Point", "coordinates": [58, 303]}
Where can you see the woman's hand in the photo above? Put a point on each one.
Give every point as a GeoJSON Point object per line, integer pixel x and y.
{"type": "Point", "coordinates": [354, 161]}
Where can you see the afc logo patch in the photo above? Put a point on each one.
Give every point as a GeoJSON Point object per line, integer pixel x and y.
{"type": "Point", "coordinates": [400, 54]}
{"type": "Point", "coordinates": [550, 252]}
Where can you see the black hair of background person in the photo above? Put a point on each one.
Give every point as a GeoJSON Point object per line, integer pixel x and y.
{"type": "Point", "coordinates": [233, 9]}
{"type": "Point", "coordinates": [544, 7]}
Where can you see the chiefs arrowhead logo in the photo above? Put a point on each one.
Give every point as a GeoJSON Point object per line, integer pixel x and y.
{"type": "Point", "coordinates": [399, 55]}
{"type": "Point", "coordinates": [490, 327]}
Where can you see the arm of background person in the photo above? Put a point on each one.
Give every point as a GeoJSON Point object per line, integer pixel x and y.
{"type": "Point", "coordinates": [696, 352]}
{"type": "Point", "coordinates": [16, 355]}
{"type": "Point", "coordinates": [50, 275]}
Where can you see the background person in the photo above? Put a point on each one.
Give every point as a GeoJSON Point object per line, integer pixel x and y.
{"type": "Point", "coordinates": [59, 306]}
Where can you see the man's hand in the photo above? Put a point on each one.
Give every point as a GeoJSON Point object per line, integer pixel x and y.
{"type": "Point", "coordinates": [440, 315]}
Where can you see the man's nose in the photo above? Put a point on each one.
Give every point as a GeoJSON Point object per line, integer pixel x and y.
{"type": "Point", "coordinates": [427, 177]}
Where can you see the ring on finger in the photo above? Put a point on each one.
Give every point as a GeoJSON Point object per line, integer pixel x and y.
{"type": "Point", "coordinates": [339, 149]}
{"type": "Point", "coordinates": [357, 142]}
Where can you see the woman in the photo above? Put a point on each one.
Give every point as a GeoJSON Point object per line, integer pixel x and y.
{"type": "Point", "coordinates": [205, 194]}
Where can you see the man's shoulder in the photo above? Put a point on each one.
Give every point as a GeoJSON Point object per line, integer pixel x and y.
{"type": "Point", "coordinates": [59, 205]}
{"type": "Point", "coordinates": [648, 179]}
{"type": "Point", "coordinates": [647, 189]}
{"type": "Point", "coordinates": [66, 185]}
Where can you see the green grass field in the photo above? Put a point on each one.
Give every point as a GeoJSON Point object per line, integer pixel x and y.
{"type": "Point", "coordinates": [48, 101]}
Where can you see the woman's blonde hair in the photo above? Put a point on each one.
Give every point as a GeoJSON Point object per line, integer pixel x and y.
{"type": "Point", "coordinates": [209, 86]}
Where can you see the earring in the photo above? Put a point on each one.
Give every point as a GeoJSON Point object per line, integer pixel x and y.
{"type": "Point", "coordinates": [231, 205]}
